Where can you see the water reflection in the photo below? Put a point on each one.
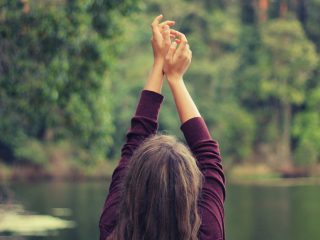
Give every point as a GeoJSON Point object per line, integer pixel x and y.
{"type": "Point", "coordinates": [275, 213]}
{"type": "Point", "coordinates": [15, 220]}
{"type": "Point", "coordinates": [252, 212]}
{"type": "Point", "coordinates": [84, 201]}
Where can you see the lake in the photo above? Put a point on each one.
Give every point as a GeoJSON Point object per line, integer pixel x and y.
{"type": "Point", "coordinates": [252, 212]}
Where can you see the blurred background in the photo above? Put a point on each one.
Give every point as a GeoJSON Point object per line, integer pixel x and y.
{"type": "Point", "coordinates": [71, 72]}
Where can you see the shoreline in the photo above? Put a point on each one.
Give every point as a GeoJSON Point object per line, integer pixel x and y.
{"type": "Point", "coordinates": [275, 182]}
{"type": "Point", "coordinates": [239, 175]}
{"type": "Point", "coordinates": [28, 173]}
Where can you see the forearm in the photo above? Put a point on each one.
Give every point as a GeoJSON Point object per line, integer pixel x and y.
{"type": "Point", "coordinates": [144, 122]}
{"type": "Point", "coordinates": [155, 78]}
{"type": "Point", "coordinates": [185, 106]}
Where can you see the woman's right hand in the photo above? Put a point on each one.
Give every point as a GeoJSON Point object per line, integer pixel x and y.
{"type": "Point", "coordinates": [177, 60]}
{"type": "Point", "coordinates": [160, 39]}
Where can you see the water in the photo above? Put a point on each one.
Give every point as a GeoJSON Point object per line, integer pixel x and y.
{"type": "Point", "coordinates": [252, 212]}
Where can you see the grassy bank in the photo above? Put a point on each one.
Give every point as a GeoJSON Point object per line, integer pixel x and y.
{"type": "Point", "coordinates": [55, 161]}
{"type": "Point", "coordinates": [261, 174]}
{"type": "Point", "coordinates": [25, 172]}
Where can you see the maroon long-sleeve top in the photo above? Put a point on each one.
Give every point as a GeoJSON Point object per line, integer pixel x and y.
{"type": "Point", "coordinates": [205, 150]}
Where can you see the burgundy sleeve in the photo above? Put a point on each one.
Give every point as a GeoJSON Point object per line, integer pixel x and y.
{"type": "Point", "coordinates": [212, 197]}
{"type": "Point", "coordinates": [143, 124]}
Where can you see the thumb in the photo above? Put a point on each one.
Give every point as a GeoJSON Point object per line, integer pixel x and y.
{"type": "Point", "coordinates": [171, 51]}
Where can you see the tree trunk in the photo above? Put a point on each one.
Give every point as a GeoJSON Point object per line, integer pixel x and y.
{"type": "Point", "coordinates": [248, 14]}
{"type": "Point", "coordinates": [301, 11]}
{"type": "Point", "coordinates": [284, 154]}
{"type": "Point", "coordinates": [26, 7]}
{"type": "Point", "coordinates": [263, 10]}
{"type": "Point", "coordinates": [283, 8]}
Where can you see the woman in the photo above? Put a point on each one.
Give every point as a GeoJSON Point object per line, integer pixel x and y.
{"type": "Point", "coordinates": [161, 190]}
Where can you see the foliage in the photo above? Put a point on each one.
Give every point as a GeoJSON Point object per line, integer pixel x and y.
{"type": "Point", "coordinates": [71, 72]}
{"type": "Point", "coordinates": [306, 130]}
{"type": "Point", "coordinates": [310, 23]}
{"type": "Point", "coordinates": [53, 72]}
{"type": "Point", "coordinates": [291, 58]}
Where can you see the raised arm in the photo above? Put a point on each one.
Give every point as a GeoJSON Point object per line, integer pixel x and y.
{"type": "Point", "coordinates": [160, 42]}
{"type": "Point", "coordinates": [143, 124]}
{"type": "Point", "coordinates": [203, 147]}
{"type": "Point", "coordinates": [176, 64]}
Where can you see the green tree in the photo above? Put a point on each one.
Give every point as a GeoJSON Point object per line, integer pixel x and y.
{"type": "Point", "coordinates": [306, 130]}
{"type": "Point", "coordinates": [54, 60]}
{"type": "Point", "coordinates": [291, 59]}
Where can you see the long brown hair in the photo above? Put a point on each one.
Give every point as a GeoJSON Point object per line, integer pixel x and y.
{"type": "Point", "coordinates": [160, 193]}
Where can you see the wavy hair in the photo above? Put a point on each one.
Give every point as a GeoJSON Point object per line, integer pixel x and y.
{"type": "Point", "coordinates": [160, 193]}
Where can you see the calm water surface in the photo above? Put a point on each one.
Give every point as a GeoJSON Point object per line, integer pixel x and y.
{"type": "Point", "coordinates": [252, 212]}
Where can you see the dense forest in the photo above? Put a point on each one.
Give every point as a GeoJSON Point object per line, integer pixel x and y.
{"type": "Point", "coordinates": [71, 73]}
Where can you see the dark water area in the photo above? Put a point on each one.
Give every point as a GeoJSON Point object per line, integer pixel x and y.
{"type": "Point", "coordinates": [252, 212]}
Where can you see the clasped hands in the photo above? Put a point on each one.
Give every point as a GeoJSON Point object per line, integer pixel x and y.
{"type": "Point", "coordinates": [170, 49]}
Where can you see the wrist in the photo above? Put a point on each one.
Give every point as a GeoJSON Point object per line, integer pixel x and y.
{"type": "Point", "coordinates": [158, 62]}
{"type": "Point", "coordinates": [176, 83]}
{"type": "Point", "coordinates": [157, 67]}
{"type": "Point", "coordinates": [174, 79]}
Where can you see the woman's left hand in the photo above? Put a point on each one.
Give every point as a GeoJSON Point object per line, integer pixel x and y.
{"type": "Point", "coordinates": [160, 39]}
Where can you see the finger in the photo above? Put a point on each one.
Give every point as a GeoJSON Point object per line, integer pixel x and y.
{"type": "Point", "coordinates": [169, 23]}
{"type": "Point", "coordinates": [190, 55]}
{"type": "Point", "coordinates": [156, 21]}
{"type": "Point", "coordinates": [174, 32]}
{"type": "Point", "coordinates": [179, 35]}
{"type": "Point", "coordinates": [182, 50]}
{"type": "Point", "coordinates": [154, 26]}
{"type": "Point", "coordinates": [180, 39]}
{"type": "Point", "coordinates": [183, 43]}
{"type": "Point", "coordinates": [173, 38]}
{"type": "Point", "coordinates": [183, 40]}
{"type": "Point", "coordinates": [171, 51]}
{"type": "Point", "coordinates": [166, 36]}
